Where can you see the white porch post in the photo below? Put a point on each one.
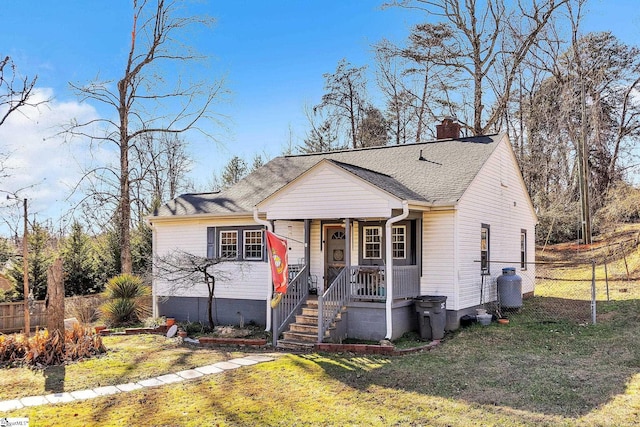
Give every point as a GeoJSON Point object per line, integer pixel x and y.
{"type": "Point", "coordinates": [269, 282]}
{"type": "Point", "coordinates": [389, 266]}
{"type": "Point", "coordinates": [347, 245]}
{"type": "Point", "coordinates": [307, 244]}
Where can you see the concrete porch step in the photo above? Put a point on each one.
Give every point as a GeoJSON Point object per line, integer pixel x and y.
{"type": "Point", "coordinates": [304, 328]}
{"type": "Point", "coordinates": [301, 319]}
{"type": "Point", "coordinates": [307, 311]}
{"type": "Point", "coordinates": [296, 345]}
{"type": "Point", "coordinates": [300, 337]}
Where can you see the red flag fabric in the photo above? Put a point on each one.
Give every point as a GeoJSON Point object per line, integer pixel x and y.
{"type": "Point", "coordinates": [277, 248]}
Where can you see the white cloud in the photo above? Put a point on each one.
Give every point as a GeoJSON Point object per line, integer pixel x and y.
{"type": "Point", "coordinates": [42, 167]}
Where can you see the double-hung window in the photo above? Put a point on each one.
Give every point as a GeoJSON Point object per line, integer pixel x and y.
{"type": "Point", "coordinates": [235, 243]}
{"type": "Point", "coordinates": [228, 244]}
{"type": "Point", "coordinates": [252, 242]}
{"type": "Point", "coordinates": [399, 241]}
{"type": "Point", "coordinates": [372, 242]}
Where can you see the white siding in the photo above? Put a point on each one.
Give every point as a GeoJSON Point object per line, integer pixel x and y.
{"type": "Point", "coordinates": [293, 231]}
{"type": "Point", "coordinates": [241, 280]}
{"type": "Point", "coordinates": [496, 197]}
{"type": "Point", "coordinates": [317, 256]}
{"type": "Point", "coordinates": [438, 256]}
{"type": "Point", "coordinates": [326, 192]}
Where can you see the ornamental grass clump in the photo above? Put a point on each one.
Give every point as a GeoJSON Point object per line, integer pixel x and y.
{"type": "Point", "coordinates": [47, 349]}
{"type": "Point", "coordinates": [127, 301]}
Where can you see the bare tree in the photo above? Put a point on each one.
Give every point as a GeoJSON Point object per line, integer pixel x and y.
{"type": "Point", "coordinates": [479, 51]}
{"type": "Point", "coordinates": [183, 270]}
{"type": "Point", "coordinates": [15, 91]}
{"type": "Point", "coordinates": [144, 101]}
{"type": "Point", "coordinates": [159, 171]}
{"type": "Point", "coordinates": [345, 97]}
{"type": "Point", "coordinates": [323, 133]}
{"type": "Point", "coordinates": [398, 99]}
{"type": "Point", "coordinates": [432, 82]}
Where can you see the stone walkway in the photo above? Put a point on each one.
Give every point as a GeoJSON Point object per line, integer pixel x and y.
{"type": "Point", "coordinates": [10, 405]}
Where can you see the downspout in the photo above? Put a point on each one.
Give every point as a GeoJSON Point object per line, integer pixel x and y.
{"type": "Point", "coordinates": [154, 292]}
{"type": "Point", "coordinates": [389, 265]}
{"type": "Point", "coordinates": [267, 224]}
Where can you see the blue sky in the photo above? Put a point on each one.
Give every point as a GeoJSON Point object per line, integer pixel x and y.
{"type": "Point", "coordinates": [272, 53]}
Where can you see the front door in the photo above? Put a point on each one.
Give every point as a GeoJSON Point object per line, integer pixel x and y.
{"type": "Point", "coordinates": [335, 257]}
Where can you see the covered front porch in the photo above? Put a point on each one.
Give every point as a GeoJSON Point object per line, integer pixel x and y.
{"type": "Point", "coordinates": [354, 238]}
{"type": "Point", "coordinates": [358, 296]}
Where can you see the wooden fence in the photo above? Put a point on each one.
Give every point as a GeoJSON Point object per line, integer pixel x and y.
{"type": "Point", "coordinates": [84, 308]}
{"type": "Point", "coordinates": [12, 316]}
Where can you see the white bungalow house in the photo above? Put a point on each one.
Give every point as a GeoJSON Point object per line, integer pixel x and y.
{"type": "Point", "coordinates": [370, 229]}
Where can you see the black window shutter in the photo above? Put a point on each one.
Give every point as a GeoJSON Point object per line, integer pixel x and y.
{"type": "Point", "coordinates": [211, 242]}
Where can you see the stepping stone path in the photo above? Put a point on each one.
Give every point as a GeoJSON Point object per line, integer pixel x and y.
{"type": "Point", "coordinates": [216, 368]}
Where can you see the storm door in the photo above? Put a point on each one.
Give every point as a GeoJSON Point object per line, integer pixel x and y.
{"type": "Point", "coordinates": [335, 256]}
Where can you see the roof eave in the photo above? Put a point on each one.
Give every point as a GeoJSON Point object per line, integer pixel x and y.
{"type": "Point", "coordinates": [166, 218]}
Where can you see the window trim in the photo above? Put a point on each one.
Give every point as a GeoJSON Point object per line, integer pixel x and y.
{"type": "Point", "coordinates": [365, 242]}
{"type": "Point", "coordinates": [485, 260]}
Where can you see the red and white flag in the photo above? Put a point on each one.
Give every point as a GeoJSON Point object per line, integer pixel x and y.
{"type": "Point", "coordinates": [277, 248]}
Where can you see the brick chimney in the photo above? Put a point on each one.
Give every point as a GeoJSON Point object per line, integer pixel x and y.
{"type": "Point", "coordinates": [448, 129]}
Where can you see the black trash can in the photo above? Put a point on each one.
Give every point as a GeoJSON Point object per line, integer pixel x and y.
{"type": "Point", "coordinates": [432, 316]}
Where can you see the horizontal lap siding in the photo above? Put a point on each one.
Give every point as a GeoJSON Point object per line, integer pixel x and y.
{"type": "Point", "coordinates": [239, 280]}
{"type": "Point", "coordinates": [293, 231]}
{"type": "Point", "coordinates": [438, 256]}
{"type": "Point", "coordinates": [317, 258]}
{"type": "Point", "coordinates": [329, 193]}
{"type": "Point", "coordinates": [498, 198]}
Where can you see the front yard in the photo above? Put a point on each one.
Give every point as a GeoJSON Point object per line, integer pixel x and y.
{"type": "Point", "coordinates": [517, 374]}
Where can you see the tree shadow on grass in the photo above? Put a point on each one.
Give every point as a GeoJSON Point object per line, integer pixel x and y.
{"type": "Point", "coordinates": [558, 369]}
{"type": "Point", "coordinates": [54, 377]}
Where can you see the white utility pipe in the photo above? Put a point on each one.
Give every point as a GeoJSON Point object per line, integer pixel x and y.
{"type": "Point", "coordinates": [389, 265]}
{"type": "Point", "coordinates": [269, 281]}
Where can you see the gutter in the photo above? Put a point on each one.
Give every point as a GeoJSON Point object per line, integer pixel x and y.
{"type": "Point", "coordinates": [269, 227]}
{"type": "Point", "coordinates": [389, 268]}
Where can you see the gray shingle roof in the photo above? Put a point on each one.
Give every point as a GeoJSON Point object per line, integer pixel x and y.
{"type": "Point", "coordinates": [434, 172]}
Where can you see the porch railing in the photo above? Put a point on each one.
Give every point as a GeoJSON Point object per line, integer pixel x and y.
{"type": "Point", "coordinates": [292, 301]}
{"type": "Point", "coordinates": [369, 282]}
{"type": "Point", "coordinates": [331, 302]}
{"type": "Point", "coordinates": [406, 281]}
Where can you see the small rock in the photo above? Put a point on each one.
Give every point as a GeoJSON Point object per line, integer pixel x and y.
{"type": "Point", "coordinates": [70, 323]}
{"type": "Point", "coordinates": [386, 343]}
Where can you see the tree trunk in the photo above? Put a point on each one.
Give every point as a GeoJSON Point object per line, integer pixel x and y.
{"type": "Point", "coordinates": [211, 284]}
{"type": "Point", "coordinates": [54, 301]}
{"type": "Point", "coordinates": [124, 211]}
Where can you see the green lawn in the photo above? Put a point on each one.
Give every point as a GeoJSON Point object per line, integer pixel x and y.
{"type": "Point", "coordinates": [519, 374]}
